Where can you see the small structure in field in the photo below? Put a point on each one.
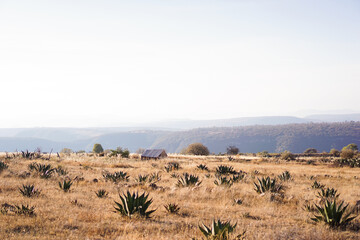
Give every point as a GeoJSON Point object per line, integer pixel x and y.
{"type": "Point", "coordinates": [153, 154]}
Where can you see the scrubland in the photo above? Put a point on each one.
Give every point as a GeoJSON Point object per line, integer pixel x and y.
{"type": "Point", "coordinates": [80, 214]}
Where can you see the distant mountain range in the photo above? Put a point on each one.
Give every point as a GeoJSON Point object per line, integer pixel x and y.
{"type": "Point", "coordinates": [250, 134]}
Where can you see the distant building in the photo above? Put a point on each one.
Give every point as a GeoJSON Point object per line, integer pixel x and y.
{"type": "Point", "coordinates": [153, 154]}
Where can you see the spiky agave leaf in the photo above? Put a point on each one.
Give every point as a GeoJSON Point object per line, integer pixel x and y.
{"type": "Point", "coordinates": [333, 214]}
{"type": "Point", "coordinates": [133, 203]}
{"type": "Point", "coordinates": [217, 230]}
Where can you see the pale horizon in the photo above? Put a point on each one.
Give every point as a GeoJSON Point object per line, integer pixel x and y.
{"type": "Point", "coordinates": [111, 63]}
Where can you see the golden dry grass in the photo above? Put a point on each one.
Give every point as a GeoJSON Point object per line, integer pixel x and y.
{"type": "Point", "coordinates": [80, 214]}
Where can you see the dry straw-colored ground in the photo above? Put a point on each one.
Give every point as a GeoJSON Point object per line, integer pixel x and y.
{"type": "Point", "coordinates": [80, 214]}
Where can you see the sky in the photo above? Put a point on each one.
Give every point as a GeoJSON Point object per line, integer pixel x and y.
{"type": "Point", "coordinates": [111, 63]}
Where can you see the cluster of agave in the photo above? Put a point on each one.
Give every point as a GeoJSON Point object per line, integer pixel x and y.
{"type": "Point", "coordinates": [317, 185]}
{"type": "Point", "coordinates": [349, 162]}
{"type": "Point", "coordinates": [266, 184]}
{"type": "Point", "coordinates": [44, 170]}
{"type": "Point", "coordinates": [101, 193]}
{"type": "Point", "coordinates": [223, 181]}
{"type": "Point", "coordinates": [172, 208]}
{"type": "Point", "coordinates": [172, 166]}
{"type": "Point", "coordinates": [18, 209]}
{"type": "Point", "coordinates": [329, 211]}
{"type": "Point", "coordinates": [65, 185]}
{"type": "Point", "coordinates": [224, 170]}
{"type": "Point", "coordinates": [154, 177]}
{"type": "Point", "coordinates": [133, 203]}
{"type": "Point", "coordinates": [285, 176]}
{"type": "Point", "coordinates": [188, 180]}
{"type": "Point", "coordinates": [220, 230]}
{"type": "Point", "coordinates": [116, 176]}
{"type": "Point", "coordinates": [202, 167]}
{"type": "Point", "coordinates": [29, 191]}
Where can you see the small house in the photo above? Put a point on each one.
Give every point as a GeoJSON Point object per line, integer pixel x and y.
{"type": "Point", "coordinates": [153, 154]}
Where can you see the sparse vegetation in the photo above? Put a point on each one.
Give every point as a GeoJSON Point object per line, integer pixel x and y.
{"type": "Point", "coordinates": [116, 176]}
{"type": "Point", "coordinates": [266, 184]}
{"type": "Point", "coordinates": [29, 191]}
{"type": "Point", "coordinates": [172, 208]}
{"type": "Point", "coordinates": [65, 185]}
{"type": "Point", "coordinates": [101, 193]}
{"type": "Point", "coordinates": [219, 230]}
{"type": "Point", "coordinates": [188, 180]}
{"type": "Point", "coordinates": [286, 155]}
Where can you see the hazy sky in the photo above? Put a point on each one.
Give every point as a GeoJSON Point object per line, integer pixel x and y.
{"type": "Point", "coordinates": [102, 63]}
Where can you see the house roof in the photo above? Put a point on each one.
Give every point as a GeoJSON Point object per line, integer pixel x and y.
{"type": "Point", "coordinates": [152, 153]}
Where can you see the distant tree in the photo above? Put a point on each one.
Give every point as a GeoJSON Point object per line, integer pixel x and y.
{"type": "Point", "coordinates": [232, 150]}
{"type": "Point", "coordinates": [197, 149]}
{"type": "Point", "coordinates": [335, 152]}
{"type": "Point", "coordinates": [125, 153]}
{"type": "Point", "coordinates": [263, 154]}
{"type": "Point", "coordinates": [287, 155]}
{"type": "Point", "coordinates": [81, 151]}
{"type": "Point", "coordinates": [351, 146]}
{"type": "Point", "coordinates": [98, 148]}
{"type": "Point", "coordinates": [347, 154]}
{"type": "Point", "coordinates": [66, 151]}
{"type": "Point", "coordinates": [310, 150]}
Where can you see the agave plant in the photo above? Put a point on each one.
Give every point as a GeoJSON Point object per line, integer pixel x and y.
{"type": "Point", "coordinates": [333, 214]}
{"type": "Point", "coordinates": [202, 167]}
{"type": "Point", "coordinates": [238, 177]}
{"type": "Point", "coordinates": [61, 171]}
{"type": "Point", "coordinates": [223, 170]}
{"type": "Point", "coordinates": [154, 177]}
{"type": "Point", "coordinates": [142, 178]}
{"type": "Point", "coordinates": [267, 184]}
{"type": "Point", "coordinates": [24, 210]}
{"type": "Point", "coordinates": [117, 176]}
{"type": "Point", "coordinates": [188, 180]}
{"type": "Point", "coordinates": [172, 166]}
{"type": "Point", "coordinates": [133, 203]}
{"type": "Point", "coordinates": [29, 191]}
{"type": "Point", "coordinates": [44, 170]}
{"type": "Point", "coordinates": [223, 181]}
{"type": "Point", "coordinates": [317, 185]}
{"type": "Point", "coordinates": [172, 208]}
{"type": "Point", "coordinates": [285, 176]}
{"type": "Point", "coordinates": [65, 185]}
{"type": "Point", "coordinates": [219, 230]}
{"type": "Point", "coordinates": [328, 194]}
{"type": "Point", "coordinates": [101, 193]}
{"type": "Point", "coordinates": [3, 166]}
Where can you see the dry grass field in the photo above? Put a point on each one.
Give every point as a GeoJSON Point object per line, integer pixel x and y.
{"type": "Point", "coordinates": [80, 214]}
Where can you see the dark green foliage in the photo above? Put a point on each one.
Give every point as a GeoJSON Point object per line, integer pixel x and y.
{"type": "Point", "coordinates": [348, 162]}
{"type": "Point", "coordinates": [223, 181]}
{"type": "Point", "coordinates": [219, 230]}
{"type": "Point", "coordinates": [98, 148]}
{"type": "Point", "coordinates": [65, 185]}
{"type": "Point", "coordinates": [29, 191]}
{"type": "Point", "coordinates": [172, 166]}
{"type": "Point", "coordinates": [101, 193]}
{"type": "Point", "coordinates": [285, 176]}
{"type": "Point", "coordinates": [223, 170]}
{"type": "Point", "coordinates": [61, 171]}
{"type": "Point", "coordinates": [44, 170]}
{"type": "Point", "coordinates": [172, 208]}
{"type": "Point", "coordinates": [24, 210]}
{"type": "Point", "coordinates": [351, 146]}
{"type": "Point", "coordinates": [3, 166]}
{"type": "Point", "coordinates": [238, 177]}
{"type": "Point", "coordinates": [154, 177]}
{"type": "Point", "coordinates": [116, 176]}
{"type": "Point", "coordinates": [188, 180]}
{"type": "Point", "coordinates": [202, 167]}
{"type": "Point", "coordinates": [317, 185]}
{"type": "Point", "coordinates": [333, 214]}
{"type": "Point", "coordinates": [142, 178]}
{"type": "Point", "coordinates": [133, 203]}
{"type": "Point", "coordinates": [124, 153]}
{"type": "Point", "coordinates": [267, 185]}
{"type": "Point", "coordinates": [328, 194]}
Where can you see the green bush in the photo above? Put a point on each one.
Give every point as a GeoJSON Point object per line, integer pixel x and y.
{"type": "Point", "coordinates": [197, 149]}
{"type": "Point", "coordinates": [98, 148]}
{"type": "Point", "coordinates": [351, 146]}
{"type": "Point", "coordinates": [335, 152]}
{"type": "Point", "coordinates": [347, 154]}
{"type": "Point", "coordinates": [286, 155]}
